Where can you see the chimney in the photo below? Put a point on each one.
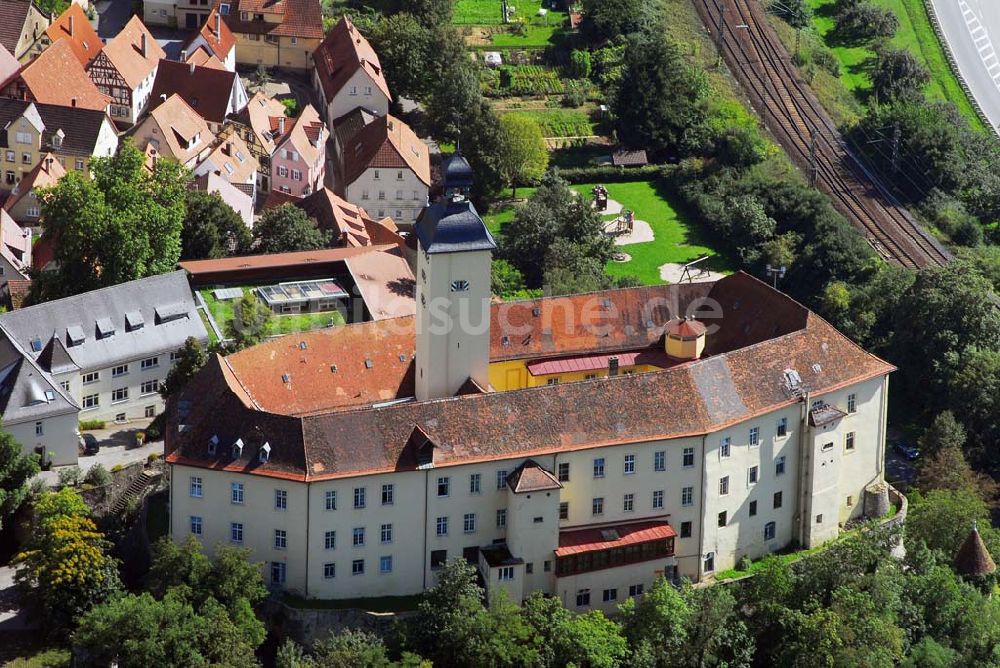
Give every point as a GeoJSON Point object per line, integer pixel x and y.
{"type": "Point", "coordinates": [70, 25]}
{"type": "Point", "coordinates": [281, 125]}
{"type": "Point", "coordinates": [142, 44]}
{"type": "Point", "coordinates": [72, 102]}
{"type": "Point", "coordinates": [228, 148]}
{"type": "Point", "coordinates": [613, 365]}
{"type": "Point", "coordinates": [183, 56]}
{"type": "Point", "coordinates": [191, 68]}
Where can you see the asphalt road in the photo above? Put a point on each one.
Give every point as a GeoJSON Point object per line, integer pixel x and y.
{"type": "Point", "coordinates": [972, 30]}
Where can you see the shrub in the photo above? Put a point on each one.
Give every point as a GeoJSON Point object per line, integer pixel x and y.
{"type": "Point", "coordinates": [70, 476]}
{"type": "Point", "coordinates": [579, 64]}
{"type": "Point", "coordinates": [574, 98]}
{"type": "Point", "coordinates": [116, 468]}
{"type": "Point", "coordinates": [608, 174]}
{"type": "Point", "coordinates": [826, 59]}
{"type": "Point", "coordinates": [98, 476]}
{"type": "Point", "coordinates": [90, 425]}
{"type": "Point", "coordinates": [153, 456]}
{"type": "Point", "coordinates": [744, 563]}
{"type": "Point", "coordinates": [863, 21]}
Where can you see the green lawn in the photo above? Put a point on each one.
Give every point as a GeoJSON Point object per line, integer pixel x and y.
{"type": "Point", "coordinates": [915, 33]}
{"type": "Point", "coordinates": [676, 237]}
{"type": "Point", "coordinates": [222, 313]}
{"type": "Point", "coordinates": [490, 12]}
{"type": "Point", "coordinates": [560, 122]}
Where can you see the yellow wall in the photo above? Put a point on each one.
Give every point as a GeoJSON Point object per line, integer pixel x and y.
{"type": "Point", "coordinates": [513, 374]}
{"type": "Point", "coordinates": [261, 52]}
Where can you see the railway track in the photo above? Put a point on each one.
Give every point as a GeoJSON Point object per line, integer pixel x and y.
{"type": "Point", "coordinates": [797, 120]}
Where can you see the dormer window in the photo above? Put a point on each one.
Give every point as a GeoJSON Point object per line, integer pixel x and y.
{"type": "Point", "coordinates": [237, 448]}
{"type": "Point", "coordinates": [460, 286]}
{"type": "Point", "coordinates": [265, 453]}
{"type": "Point", "coordinates": [213, 444]}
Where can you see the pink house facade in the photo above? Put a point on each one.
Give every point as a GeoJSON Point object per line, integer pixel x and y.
{"type": "Point", "coordinates": [298, 164]}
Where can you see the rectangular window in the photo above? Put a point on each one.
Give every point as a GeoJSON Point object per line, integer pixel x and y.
{"type": "Point", "coordinates": [501, 479]}
{"type": "Point", "coordinates": [296, 175]}
{"type": "Point", "coordinates": [278, 571]}
{"type": "Point", "coordinates": [769, 530]}
{"type": "Point", "coordinates": [469, 523]}
{"type": "Point", "coordinates": [501, 518]}
{"type": "Point", "coordinates": [597, 506]}
{"type": "Point", "coordinates": [564, 472]}
{"type": "Point", "coordinates": [358, 567]}
{"type": "Point", "coordinates": [443, 485]}
{"type": "Point", "coordinates": [628, 503]}
{"type": "Point", "coordinates": [505, 573]}
{"type": "Point", "coordinates": [752, 475]}
{"type": "Point", "coordinates": [359, 497]}
{"type": "Point", "coordinates": [385, 564]}
{"type": "Point", "coordinates": [849, 441]}
{"type": "Point", "coordinates": [687, 496]}
{"type": "Point", "coordinates": [688, 457]}
{"type": "Point", "coordinates": [723, 517]}
{"type": "Point", "coordinates": [119, 395]}
{"type": "Point", "coordinates": [280, 499]}
{"type": "Point", "coordinates": [582, 598]}
{"type": "Point", "coordinates": [709, 563]}
{"type": "Point", "coordinates": [609, 595]}
{"type": "Point", "coordinates": [657, 499]}
{"type": "Point", "coordinates": [329, 540]}
{"type": "Point", "coordinates": [685, 529]}
{"type": "Point", "coordinates": [779, 465]}
{"type": "Point", "coordinates": [724, 485]}
{"type": "Point", "coordinates": [39, 429]}
{"type": "Point", "coordinates": [599, 467]}
{"type": "Point", "coordinates": [91, 377]}
{"type": "Point", "coordinates": [236, 493]}
{"type": "Point", "coordinates": [149, 363]}
{"type": "Point", "coordinates": [753, 508]}
{"type": "Point", "coordinates": [660, 460]}
{"type": "Point", "coordinates": [195, 525]}
{"type": "Point", "coordinates": [725, 447]}
{"type": "Point", "coordinates": [149, 387]}
{"type": "Point", "coordinates": [629, 464]}
{"type": "Point", "coordinates": [329, 570]}
{"type": "Point", "coordinates": [754, 436]}
{"type": "Point", "coordinates": [564, 510]}
{"type": "Point", "coordinates": [330, 499]}
{"type": "Point", "coordinates": [438, 559]}
{"type": "Point", "coordinates": [777, 499]}
{"type": "Point", "coordinates": [441, 526]}
{"type": "Point", "coordinates": [635, 590]}
{"type": "Point", "coordinates": [388, 494]}
{"type": "Point", "coordinates": [119, 371]}
{"type": "Point", "coordinates": [196, 488]}
{"type": "Point", "coordinates": [282, 170]}
{"type": "Point", "coordinates": [552, 381]}
{"type": "Point", "coordinates": [385, 533]}
{"type": "Point", "coordinates": [852, 403]}
{"type": "Point", "coordinates": [236, 532]}
{"type": "Point", "coordinates": [91, 401]}
{"type": "Point", "coordinates": [358, 536]}
{"type": "Point", "coordinates": [782, 429]}
{"type": "Point", "coordinates": [280, 539]}
{"type": "Point", "coordinates": [475, 483]}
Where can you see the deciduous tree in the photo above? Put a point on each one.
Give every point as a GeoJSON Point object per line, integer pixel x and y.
{"type": "Point", "coordinates": [212, 229]}
{"type": "Point", "coordinates": [190, 361]}
{"type": "Point", "coordinates": [287, 228]}
{"type": "Point", "coordinates": [16, 471]}
{"type": "Point", "coordinates": [523, 156]}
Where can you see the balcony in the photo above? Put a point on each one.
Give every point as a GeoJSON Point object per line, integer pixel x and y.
{"type": "Point", "coordinates": [598, 548]}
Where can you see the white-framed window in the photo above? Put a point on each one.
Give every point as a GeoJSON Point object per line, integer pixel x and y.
{"type": "Point", "coordinates": [688, 458]}
{"type": "Point", "coordinates": [629, 464]}
{"type": "Point", "coordinates": [388, 494]}
{"type": "Point", "coordinates": [501, 479]}
{"type": "Point", "coordinates": [196, 525]}
{"type": "Point", "coordinates": [724, 485]}
{"type": "Point", "coordinates": [381, 195]}
{"type": "Point", "coordinates": [599, 467]}
{"type": "Point", "coordinates": [564, 510]}
{"type": "Point", "coordinates": [64, 384]}
{"type": "Point", "coordinates": [79, 162]}
{"type": "Point", "coordinates": [849, 441]}
{"type": "Point", "coordinates": [443, 486]}
{"type": "Point", "coordinates": [501, 518]}
{"type": "Point", "coordinates": [236, 532]}
{"type": "Point", "coordinates": [33, 211]}
{"type": "Point", "coordinates": [475, 483]}
{"type": "Point", "coordinates": [23, 137]}
{"type": "Point", "coordinates": [278, 572]}
{"type": "Point", "coordinates": [91, 377]}
{"type": "Point", "coordinates": [358, 567]}
{"type": "Point", "coordinates": [563, 472]}
{"type": "Point", "coordinates": [236, 493]}
{"type": "Point", "coordinates": [442, 526]}
{"type": "Point", "coordinates": [149, 387]}
{"type": "Point", "coordinates": [329, 540]}
{"type": "Point", "coordinates": [660, 460]}
{"type": "Point", "coordinates": [280, 499]}
{"type": "Point", "coordinates": [657, 499]}
{"type": "Point", "coordinates": [358, 537]}
{"type": "Point", "coordinates": [119, 371]}
{"type": "Point", "coordinates": [753, 473]}
{"type": "Point", "coordinates": [628, 503]}
{"type": "Point", "coordinates": [282, 171]}
{"type": "Point", "coordinates": [359, 497]}
{"type": "Point", "coordinates": [364, 194]}
{"type": "Point", "coordinates": [296, 175]}
{"type": "Point", "coordinates": [329, 570]}
{"type": "Point", "coordinates": [782, 429]}
{"type": "Point", "coordinates": [469, 523]}
{"type": "Point", "coordinates": [385, 564]}
{"type": "Point", "coordinates": [597, 506]}
{"type": "Point", "coordinates": [505, 573]}
{"type": "Point", "coordinates": [118, 395]}
{"type": "Point", "coordinates": [330, 499]}
{"type": "Point", "coordinates": [779, 465]}
{"type": "Point", "coordinates": [725, 447]}
{"type": "Point", "coordinates": [769, 530]}
{"type": "Point", "coordinates": [687, 496]}
{"type": "Point", "coordinates": [754, 436]}
{"type": "Point", "coordinates": [852, 403]}
{"type": "Point", "coordinates": [196, 487]}
{"type": "Point", "coordinates": [149, 363]}
{"type": "Point", "coordinates": [385, 533]}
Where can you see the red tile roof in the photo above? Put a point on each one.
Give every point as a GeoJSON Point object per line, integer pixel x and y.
{"type": "Point", "coordinates": [207, 90]}
{"type": "Point", "coordinates": [217, 34]}
{"type": "Point", "coordinates": [645, 356]}
{"type": "Point", "coordinates": [300, 18]}
{"type": "Point", "coordinates": [306, 133]}
{"type": "Point", "coordinates": [125, 52]}
{"type": "Point", "coordinates": [57, 77]}
{"type": "Point", "coordinates": [386, 142]}
{"type": "Point", "coordinates": [341, 54]}
{"type": "Point", "coordinates": [17, 291]}
{"type": "Point", "coordinates": [531, 477]}
{"type": "Point", "coordinates": [73, 27]}
{"type": "Point", "coordinates": [386, 284]}
{"type": "Point", "coordinates": [685, 328]}
{"type": "Point", "coordinates": [203, 58]}
{"type": "Point", "coordinates": [606, 538]}
{"type": "Point", "coordinates": [46, 173]}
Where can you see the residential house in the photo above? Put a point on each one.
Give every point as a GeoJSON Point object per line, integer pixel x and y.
{"type": "Point", "coordinates": [23, 204]}
{"type": "Point", "coordinates": [386, 168]}
{"type": "Point", "coordinates": [110, 349]}
{"type": "Point", "coordinates": [176, 131]}
{"type": "Point", "coordinates": [350, 225]}
{"type": "Point", "coordinates": [237, 199]}
{"type": "Point", "coordinates": [203, 58]}
{"type": "Point", "coordinates": [581, 446]}
{"type": "Point", "coordinates": [213, 93]}
{"type": "Point", "coordinates": [125, 70]}
{"type": "Point", "coordinates": [72, 26]}
{"type": "Point", "coordinates": [273, 33]}
{"type": "Point", "coordinates": [232, 160]}
{"type": "Point", "coordinates": [57, 77]}
{"type": "Point", "coordinates": [160, 13]}
{"type": "Point", "coordinates": [298, 162]}
{"type": "Point", "coordinates": [36, 410]}
{"type": "Point", "coordinates": [256, 125]}
{"type": "Point", "coordinates": [31, 130]}
{"type": "Point", "coordinates": [348, 74]}
{"type": "Point", "coordinates": [15, 249]}
{"type": "Point", "coordinates": [215, 38]}
{"type": "Point", "coordinates": [21, 24]}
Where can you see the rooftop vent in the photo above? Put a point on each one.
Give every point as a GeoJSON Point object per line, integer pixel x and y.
{"type": "Point", "coordinates": [505, 341]}
{"type": "Point", "coordinates": [105, 328]}
{"type": "Point", "coordinates": [170, 312]}
{"type": "Point", "coordinates": [613, 365]}
{"type": "Point", "coordinates": [368, 363]}
{"type": "Point", "coordinates": [536, 311]}
{"type": "Point", "coordinates": [133, 320]}
{"type": "Point", "coordinates": [302, 345]}
{"type": "Point", "coordinates": [286, 378]}
{"type": "Point", "coordinates": [333, 368]}
{"type": "Point", "coordinates": [265, 452]}
{"type": "Point", "coordinates": [402, 358]}
{"type": "Point", "coordinates": [36, 345]}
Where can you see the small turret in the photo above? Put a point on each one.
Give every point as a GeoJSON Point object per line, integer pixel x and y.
{"type": "Point", "coordinates": [973, 559]}
{"type": "Point", "coordinates": [685, 339]}
{"type": "Point", "coordinates": [457, 176]}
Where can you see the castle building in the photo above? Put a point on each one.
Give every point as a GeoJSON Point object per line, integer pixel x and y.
{"type": "Point", "coordinates": [582, 446]}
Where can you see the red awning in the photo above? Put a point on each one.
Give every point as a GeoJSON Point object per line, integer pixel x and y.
{"type": "Point", "coordinates": [605, 538]}
{"type": "Point", "coordinates": [650, 356]}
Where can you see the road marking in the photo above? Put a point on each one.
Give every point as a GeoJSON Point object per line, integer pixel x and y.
{"type": "Point", "coordinates": [981, 41]}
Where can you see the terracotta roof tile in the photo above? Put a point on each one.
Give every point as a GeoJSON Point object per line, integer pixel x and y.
{"type": "Point", "coordinates": [203, 58]}
{"type": "Point", "coordinates": [344, 51]}
{"type": "Point", "coordinates": [217, 34]}
{"type": "Point", "coordinates": [349, 223]}
{"type": "Point", "coordinates": [73, 27]}
{"type": "Point", "coordinates": [206, 90]}
{"type": "Point", "coordinates": [386, 142]}
{"type": "Point", "coordinates": [257, 116]}
{"type": "Point", "coordinates": [125, 52]}
{"type": "Point", "coordinates": [386, 284]}
{"type": "Point", "coordinates": [233, 159]}
{"type": "Point", "coordinates": [57, 77]}
{"type": "Point", "coordinates": [531, 477]}
{"type": "Point", "coordinates": [306, 133]}
{"type": "Point", "coordinates": [179, 124]}
{"type": "Point", "coordinates": [300, 18]}
{"type": "Point", "coordinates": [607, 537]}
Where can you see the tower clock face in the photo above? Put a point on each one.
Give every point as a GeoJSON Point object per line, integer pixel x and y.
{"type": "Point", "coordinates": [460, 286]}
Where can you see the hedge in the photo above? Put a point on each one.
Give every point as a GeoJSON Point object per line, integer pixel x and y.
{"type": "Point", "coordinates": [90, 425]}
{"type": "Point", "coordinates": [610, 173]}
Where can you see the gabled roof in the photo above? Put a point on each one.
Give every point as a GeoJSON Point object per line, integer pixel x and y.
{"type": "Point", "coordinates": [46, 173]}
{"type": "Point", "coordinates": [203, 58]}
{"type": "Point", "coordinates": [217, 35]}
{"type": "Point", "coordinates": [350, 224]}
{"type": "Point", "coordinates": [386, 142]}
{"type": "Point", "coordinates": [13, 14]}
{"type": "Point", "coordinates": [341, 54]}
{"type": "Point", "coordinates": [9, 67]}
{"type": "Point", "coordinates": [57, 77]}
{"type": "Point", "coordinates": [15, 245]}
{"type": "Point", "coordinates": [257, 116]}
{"type": "Point", "coordinates": [26, 391]}
{"type": "Point", "coordinates": [206, 90]}
{"type": "Point", "coordinates": [233, 160]}
{"type": "Point", "coordinates": [73, 27]}
{"type": "Point", "coordinates": [81, 127]}
{"type": "Point", "coordinates": [351, 123]}
{"type": "Point", "coordinates": [168, 312]}
{"type": "Point", "coordinates": [306, 133]}
{"type": "Point", "coordinates": [179, 125]}
{"type": "Point", "coordinates": [452, 225]}
{"type": "Point", "coordinates": [299, 18]}
{"type": "Point", "coordinates": [125, 52]}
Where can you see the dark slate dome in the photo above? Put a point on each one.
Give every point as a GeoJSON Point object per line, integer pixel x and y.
{"type": "Point", "coordinates": [452, 225]}
{"type": "Point", "coordinates": [457, 172]}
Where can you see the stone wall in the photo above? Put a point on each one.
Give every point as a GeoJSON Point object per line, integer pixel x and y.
{"type": "Point", "coordinates": [308, 625]}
